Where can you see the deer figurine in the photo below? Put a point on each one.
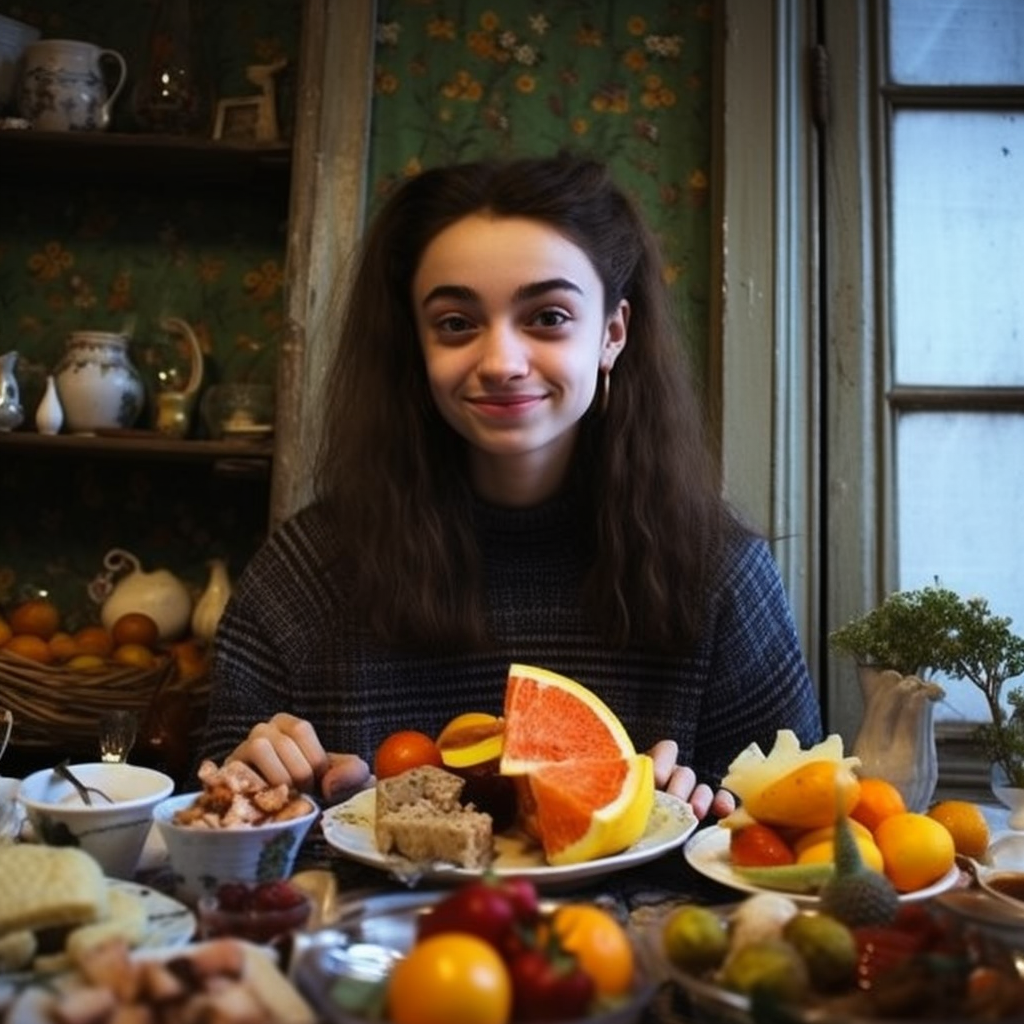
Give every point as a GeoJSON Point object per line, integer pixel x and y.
{"type": "Point", "coordinates": [262, 76]}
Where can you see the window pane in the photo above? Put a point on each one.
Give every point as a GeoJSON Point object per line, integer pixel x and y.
{"type": "Point", "coordinates": [958, 247]}
{"type": "Point", "coordinates": [957, 42]}
{"type": "Point", "coordinates": [959, 497]}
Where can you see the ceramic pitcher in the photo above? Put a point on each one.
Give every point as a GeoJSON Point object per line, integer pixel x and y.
{"type": "Point", "coordinates": [63, 87]}
{"type": "Point", "coordinates": [98, 385]}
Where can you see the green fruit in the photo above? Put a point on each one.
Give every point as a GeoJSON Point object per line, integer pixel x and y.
{"type": "Point", "coordinates": [787, 877]}
{"type": "Point", "coordinates": [770, 967]}
{"type": "Point", "coordinates": [828, 949]}
{"type": "Point", "coordinates": [696, 939]}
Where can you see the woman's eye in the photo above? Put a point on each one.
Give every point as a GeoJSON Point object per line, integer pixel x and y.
{"type": "Point", "coordinates": [551, 318]}
{"type": "Point", "coordinates": [453, 323]}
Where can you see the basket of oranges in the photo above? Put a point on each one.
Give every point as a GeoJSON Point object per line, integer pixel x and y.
{"type": "Point", "coordinates": [58, 683]}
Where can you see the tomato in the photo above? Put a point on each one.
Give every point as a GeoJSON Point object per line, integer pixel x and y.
{"type": "Point", "coordinates": [490, 909]}
{"type": "Point", "coordinates": [450, 978]}
{"type": "Point", "coordinates": [759, 846]}
{"type": "Point", "coordinates": [600, 944]}
{"type": "Point", "coordinates": [549, 986]}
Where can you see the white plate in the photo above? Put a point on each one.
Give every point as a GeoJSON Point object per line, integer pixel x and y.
{"type": "Point", "coordinates": [349, 829]}
{"type": "Point", "coordinates": [708, 853]}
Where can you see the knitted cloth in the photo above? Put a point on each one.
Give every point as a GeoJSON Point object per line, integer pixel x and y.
{"type": "Point", "coordinates": [286, 643]}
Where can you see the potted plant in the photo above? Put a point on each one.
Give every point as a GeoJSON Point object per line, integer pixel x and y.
{"type": "Point", "coordinates": [916, 634]}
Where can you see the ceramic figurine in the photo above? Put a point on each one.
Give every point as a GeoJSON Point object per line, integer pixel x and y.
{"type": "Point", "coordinates": [11, 412]}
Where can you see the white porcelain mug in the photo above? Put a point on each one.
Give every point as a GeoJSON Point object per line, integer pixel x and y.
{"type": "Point", "coordinates": [63, 87]}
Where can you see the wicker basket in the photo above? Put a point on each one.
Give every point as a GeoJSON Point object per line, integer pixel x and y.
{"type": "Point", "coordinates": [55, 706]}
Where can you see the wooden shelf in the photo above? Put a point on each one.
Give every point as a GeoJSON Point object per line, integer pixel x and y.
{"type": "Point", "coordinates": [68, 155]}
{"type": "Point", "coordinates": [236, 458]}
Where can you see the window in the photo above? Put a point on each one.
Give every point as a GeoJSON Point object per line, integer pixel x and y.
{"type": "Point", "coordinates": [872, 273]}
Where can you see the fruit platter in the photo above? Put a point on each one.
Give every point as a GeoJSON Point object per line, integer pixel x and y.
{"type": "Point", "coordinates": [553, 789]}
{"type": "Point", "coordinates": [771, 956]}
{"type": "Point", "coordinates": [782, 836]}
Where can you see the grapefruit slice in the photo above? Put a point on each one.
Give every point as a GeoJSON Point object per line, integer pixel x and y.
{"type": "Point", "coordinates": [549, 717]}
{"type": "Point", "coordinates": [591, 807]}
{"type": "Point", "coordinates": [583, 791]}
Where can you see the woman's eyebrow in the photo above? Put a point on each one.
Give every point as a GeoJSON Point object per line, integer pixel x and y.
{"type": "Point", "coordinates": [526, 291]}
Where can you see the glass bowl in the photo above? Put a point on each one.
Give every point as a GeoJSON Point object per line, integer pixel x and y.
{"type": "Point", "coordinates": [370, 935]}
{"type": "Point", "coordinates": [259, 912]}
{"type": "Point", "coordinates": [240, 411]}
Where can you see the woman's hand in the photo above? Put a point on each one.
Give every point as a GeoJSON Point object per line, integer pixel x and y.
{"type": "Point", "coordinates": [287, 749]}
{"type": "Point", "coordinates": [681, 781]}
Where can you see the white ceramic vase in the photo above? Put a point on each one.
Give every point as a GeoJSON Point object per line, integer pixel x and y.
{"type": "Point", "coordinates": [98, 386]}
{"type": "Point", "coordinates": [896, 740]}
{"type": "Point", "coordinates": [210, 605]}
{"type": "Point", "coordinates": [49, 412]}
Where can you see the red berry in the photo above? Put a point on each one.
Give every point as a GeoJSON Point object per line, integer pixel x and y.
{"type": "Point", "coordinates": [233, 896]}
{"type": "Point", "coordinates": [276, 896]}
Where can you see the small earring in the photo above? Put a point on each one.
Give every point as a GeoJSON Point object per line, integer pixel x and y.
{"type": "Point", "coordinates": [606, 384]}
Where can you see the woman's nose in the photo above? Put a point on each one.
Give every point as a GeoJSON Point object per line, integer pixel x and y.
{"type": "Point", "coordinates": [503, 353]}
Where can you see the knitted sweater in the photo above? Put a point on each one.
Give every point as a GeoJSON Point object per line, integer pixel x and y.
{"type": "Point", "coordinates": [285, 643]}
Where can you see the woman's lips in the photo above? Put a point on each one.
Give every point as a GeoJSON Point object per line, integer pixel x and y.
{"type": "Point", "coordinates": [505, 406]}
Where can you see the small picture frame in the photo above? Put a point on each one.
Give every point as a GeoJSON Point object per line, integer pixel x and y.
{"type": "Point", "coordinates": [238, 119]}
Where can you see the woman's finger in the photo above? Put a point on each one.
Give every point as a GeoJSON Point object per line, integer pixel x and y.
{"type": "Point", "coordinates": [346, 774]}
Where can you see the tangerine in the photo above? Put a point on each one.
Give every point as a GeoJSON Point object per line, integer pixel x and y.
{"type": "Point", "coordinates": [62, 646]}
{"type": "Point", "coordinates": [134, 655]}
{"type": "Point", "coordinates": [26, 645]}
{"type": "Point", "coordinates": [94, 640]}
{"type": "Point", "coordinates": [89, 663]}
{"type": "Point", "coordinates": [966, 824]}
{"type": "Point", "coordinates": [35, 617]}
{"type": "Point", "coordinates": [878, 800]}
{"type": "Point", "coordinates": [599, 943]}
{"type": "Point", "coordinates": [404, 750]}
{"type": "Point", "coordinates": [917, 850]}
{"type": "Point", "coordinates": [135, 628]}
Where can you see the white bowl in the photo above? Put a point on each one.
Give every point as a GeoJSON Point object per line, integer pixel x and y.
{"type": "Point", "coordinates": [201, 859]}
{"type": "Point", "coordinates": [112, 833]}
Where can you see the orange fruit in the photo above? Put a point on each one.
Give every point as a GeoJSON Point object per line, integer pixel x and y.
{"type": "Point", "coordinates": [89, 663]}
{"type": "Point", "coordinates": [189, 659]}
{"type": "Point", "coordinates": [585, 792]}
{"type": "Point", "coordinates": [600, 944]}
{"type": "Point", "coordinates": [134, 655]}
{"type": "Point", "coordinates": [36, 617]}
{"type": "Point", "coordinates": [472, 739]}
{"type": "Point", "coordinates": [878, 800]}
{"type": "Point", "coordinates": [917, 850]}
{"type": "Point", "coordinates": [62, 646]}
{"type": "Point", "coordinates": [135, 628]}
{"type": "Point", "coordinates": [823, 852]}
{"type": "Point", "coordinates": [35, 648]}
{"type": "Point", "coordinates": [403, 750]}
{"type": "Point", "coordinates": [94, 640]}
{"type": "Point", "coordinates": [966, 824]}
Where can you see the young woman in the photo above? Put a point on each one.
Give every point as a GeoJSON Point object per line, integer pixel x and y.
{"type": "Point", "coordinates": [514, 468]}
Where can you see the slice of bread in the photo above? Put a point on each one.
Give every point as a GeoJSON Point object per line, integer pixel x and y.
{"type": "Point", "coordinates": [418, 815]}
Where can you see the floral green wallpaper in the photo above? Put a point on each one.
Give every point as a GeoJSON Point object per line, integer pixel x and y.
{"type": "Point", "coordinates": [629, 80]}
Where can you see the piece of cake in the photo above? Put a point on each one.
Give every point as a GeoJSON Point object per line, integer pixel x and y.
{"type": "Point", "coordinates": [419, 815]}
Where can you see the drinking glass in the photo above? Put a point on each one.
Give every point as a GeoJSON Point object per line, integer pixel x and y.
{"type": "Point", "coordinates": [117, 734]}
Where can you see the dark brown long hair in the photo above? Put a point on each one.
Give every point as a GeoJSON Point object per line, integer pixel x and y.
{"type": "Point", "coordinates": [393, 475]}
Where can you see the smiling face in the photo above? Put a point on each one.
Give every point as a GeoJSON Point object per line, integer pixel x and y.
{"type": "Point", "coordinates": [511, 321]}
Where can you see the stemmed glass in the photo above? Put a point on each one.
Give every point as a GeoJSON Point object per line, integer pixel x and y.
{"type": "Point", "coordinates": [117, 734]}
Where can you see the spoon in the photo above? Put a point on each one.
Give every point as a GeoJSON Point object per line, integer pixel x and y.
{"type": "Point", "coordinates": [84, 791]}
{"type": "Point", "coordinates": [981, 873]}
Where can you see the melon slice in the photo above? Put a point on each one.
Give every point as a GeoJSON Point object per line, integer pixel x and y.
{"type": "Point", "coordinates": [583, 790]}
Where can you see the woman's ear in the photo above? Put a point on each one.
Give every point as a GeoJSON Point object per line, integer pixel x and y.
{"type": "Point", "coordinates": [615, 335]}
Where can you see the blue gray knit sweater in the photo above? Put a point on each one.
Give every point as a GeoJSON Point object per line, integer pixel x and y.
{"type": "Point", "coordinates": [286, 642]}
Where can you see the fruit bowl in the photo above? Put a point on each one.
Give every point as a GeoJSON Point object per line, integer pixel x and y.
{"type": "Point", "coordinates": [371, 935]}
{"type": "Point", "coordinates": [711, 1001]}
